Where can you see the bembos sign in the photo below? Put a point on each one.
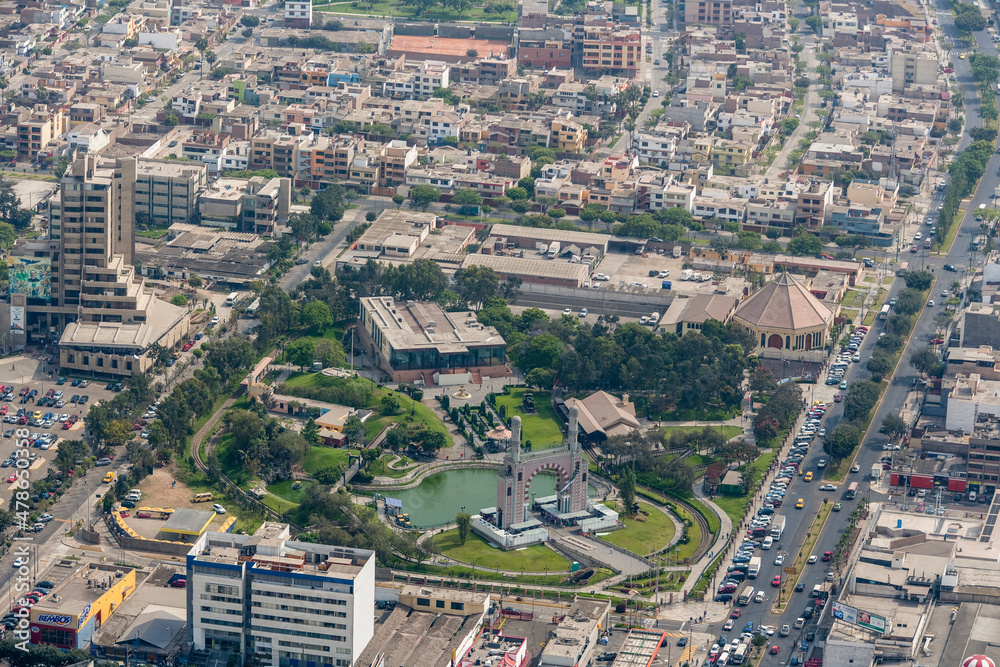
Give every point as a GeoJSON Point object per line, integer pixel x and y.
{"type": "Point", "coordinates": [54, 619]}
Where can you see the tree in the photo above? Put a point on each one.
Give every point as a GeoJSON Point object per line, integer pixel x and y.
{"type": "Point", "coordinates": [398, 199]}
{"type": "Point", "coordinates": [918, 280]}
{"type": "Point", "coordinates": [247, 32]}
{"type": "Point", "coordinates": [879, 366]}
{"type": "Point", "coordinates": [765, 427]}
{"type": "Point", "coordinates": [467, 197]}
{"type": "Point", "coordinates": [301, 352]}
{"type": "Point", "coordinates": [464, 522]}
{"type": "Point", "coordinates": [354, 429]}
{"type": "Point", "coordinates": [422, 196]}
{"type": "Point", "coordinates": [970, 21]}
{"type": "Point", "coordinates": [476, 284]}
{"type": "Point", "coordinates": [762, 380]}
{"type": "Point", "coordinates": [923, 358]}
{"type": "Point", "coordinates": [893, 426]}
{"type": "Point", "coordinates": [543, 378]}
{"type": "Point", "coordinates": [371, 216]}
{"type": "Point", "coordinates": [316, 314]}
{"type": "Point", "coordinates": [390, 405]}
{"type": "Point", "coordinates": [179, 300]}
{"type": "Point", "coordinates": [249, 21]}
{"type": "Point", "coordinates": [626, 490]}
{"type": "Point", "coordinates": [841, 442]}
{"type": "Point", "coordinates": [311, 432]}
{"type": "Point", "coordinates": [805, 244]}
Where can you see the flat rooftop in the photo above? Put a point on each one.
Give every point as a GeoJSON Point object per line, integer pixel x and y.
{"type": "Point", "coordinates": [639, 649]}
{"type": "Point", "coordinates": [412, 638]}
{"type": "Point", "coordinates": [82, 589]}
{"type": "Point", "coordinates": [409, 325]}
{"type": "Point", "coordinates": [534, 268]}
{"type": "Point", "coordinates": [582, 239]}
{"type": "Point", "coordinates": [188, 522]}
{"type": "Point", "coordinates": [448, 46]}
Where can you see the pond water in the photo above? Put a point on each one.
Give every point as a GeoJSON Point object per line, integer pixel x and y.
{"type": "Point", "coordinates": [440, 496]}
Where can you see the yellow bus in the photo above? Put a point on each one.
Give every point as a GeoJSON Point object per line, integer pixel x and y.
{"type": "Point", "coordinates": [202, 498]}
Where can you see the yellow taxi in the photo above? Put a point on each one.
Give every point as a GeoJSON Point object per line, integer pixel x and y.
{"type": "Point", "coordinates": [809, 476]}
{"type": "Point", "coordinates": [799, 505]}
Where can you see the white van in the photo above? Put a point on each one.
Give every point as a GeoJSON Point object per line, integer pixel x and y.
{"type": "Point", "coordinates": [972, 496]}
{"type": "Point", "coordinates": [723, 659]}
{"type": "Point", "coordinates": [766, 544]}
{"type": "Point", "coordinates": [799, 623]}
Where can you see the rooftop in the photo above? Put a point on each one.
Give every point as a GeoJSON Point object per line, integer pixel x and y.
{"type": "Point", "coordinates": [539, 268]}
{"type": "Point", "coordinates": [424, 324]}
{"type": "Point", "coordinates": [784, 304]}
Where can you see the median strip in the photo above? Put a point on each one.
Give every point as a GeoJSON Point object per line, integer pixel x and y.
{"type": "Point", "coordinates": [801, 560]}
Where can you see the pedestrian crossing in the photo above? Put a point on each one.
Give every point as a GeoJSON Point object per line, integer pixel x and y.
{"type": "Point", "coordinates": [688, 653]}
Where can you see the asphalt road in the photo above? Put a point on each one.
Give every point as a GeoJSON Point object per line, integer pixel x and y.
{"type": "Point", "coordinates": [905, 378]}
{"type": "Point", "coordinates": [594, 308]}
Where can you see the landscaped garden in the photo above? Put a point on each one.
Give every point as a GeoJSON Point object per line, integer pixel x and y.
{"type": "Point", "coordinates": [478, 551]}
{"type": "Point", "coordinates": [541, 428]}
{"type": "Point", "coordinates": [645, 533]}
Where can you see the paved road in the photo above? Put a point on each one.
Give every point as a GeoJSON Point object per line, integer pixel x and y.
{"type": "Point", "coordinates": [594, 308]}
{"type": "Point", "coordinates": [895, 396]}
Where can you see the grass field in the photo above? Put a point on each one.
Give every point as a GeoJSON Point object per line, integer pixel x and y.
{"type": "Point", "coordinates": [325, 457]}
{"type": "Point", "coordinates": [333, 336]}
{"type": "Point", "coordinates": [477, 551]}
{"type": "Point", "coordinates": [436, 13]}
{"type": "Point", "coordinates": [543, 428]}
{"type": "Point", "coordinates": [736, 506]}
{"type": "Point", "coordinates": [381, 467]}
{"type": "Point", "coordinates": [284, 490]}
{"type": "Point", "coordinates": [646, 536]}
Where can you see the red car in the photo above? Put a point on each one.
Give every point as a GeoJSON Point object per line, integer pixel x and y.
{"type": "Point", "coordinates": [50, 393]}
{"type": "Point", "coordinates": [136, 427]}
{"type": "Point", "coordinates": [11, 478]}
{"type": "Point", "coordinates": [937, 341]}
{"type": "Point", "coordinates": [179, 583]}
{"type": "Point", "coordinates": [67, 426]}
{"type": "Point", "coordinates": [736, 613]}
{"type": "Point", "coordinates": [913, 248]}
{"type": "Point", "coordinates": [143, 515]}
{"type": "Point", "coordinates": [827, 555]}
{"type": "Point", "coordinates": [776, 581]}
{"type": "Point", "coordinates": [837, 398]}
{"type": "Point", "coordinates": [775, 649]}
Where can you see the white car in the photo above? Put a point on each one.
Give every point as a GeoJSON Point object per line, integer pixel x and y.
{"type": "Point", "coordinates": [828, 487]}
{"type": "Point", "coordinates": [567, 311]}
{"type": "Point", "coordinates": [215, 320]}
{"type": "Point", "coordinates": [219, 509]}
{"type": "Point", "coordinates": [812, 559]}
{"type": "Point", "coordinates": [583, 312]}
{"type": "Point", "coordinates": [63, 418]}
{"type": "Point", "coordinates": [780, 560]}
{"type": "Point", "coordinates": [656, 93]}
{"type": "Point", "coordinates": [603, 277]}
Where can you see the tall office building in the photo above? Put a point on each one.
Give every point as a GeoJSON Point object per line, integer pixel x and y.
{"type": "Point", "coordinates": [79, 286]}
{"type": "Point", "coordinates": [281, 601]}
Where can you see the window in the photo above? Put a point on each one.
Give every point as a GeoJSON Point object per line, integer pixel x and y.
{"type": "Point", "coordinates": [422, 602]}
{"type": "Point", "coordinates": [439, 604]}
{"type": "Point", "coordinates": [458, 606]}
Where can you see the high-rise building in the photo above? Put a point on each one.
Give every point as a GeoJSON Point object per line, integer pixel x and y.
{"type": "Point", "coordinates": [79, 286]}
{"type": "Point", "coordinates": [281, 601]}
{"type": "Point", "coordinates": [166, 192]}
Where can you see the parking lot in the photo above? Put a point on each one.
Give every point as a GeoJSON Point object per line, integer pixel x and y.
{"type": "Point", "coordinates": [160, 490]}
{"type": "Point", "coordinates": [625, 270]}
{"type": "Point", "coordinates": [29, 402]}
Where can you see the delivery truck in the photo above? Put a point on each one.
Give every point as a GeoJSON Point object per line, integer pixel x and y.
{"type": "Point", "coordinates": [777, 527]}
{"type": "Point", "coordinates": [754, 567]}
{"type": "Point", "coordinates": [877, 471]}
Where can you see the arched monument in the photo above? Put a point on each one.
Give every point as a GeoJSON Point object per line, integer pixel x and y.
{"type": "Point", "coordinates": [518, 469]}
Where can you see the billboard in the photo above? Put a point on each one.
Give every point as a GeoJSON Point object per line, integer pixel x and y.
{"type": "Point", "coordinates": [31, 276]}
{"type": "Point", "coordinates": [857, 617]}
{"type": "Point", "coordinates": [846, 613]}
{"type": "Point", "coordinates": [17, 320]}
{"type": "Point", "coordinates": [871, 621]}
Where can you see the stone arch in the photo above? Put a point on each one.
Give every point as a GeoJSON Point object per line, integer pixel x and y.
{"type": "Point", "coordinates": [560, 466]}
{"type": "Point", "coordinates": [774, 341]}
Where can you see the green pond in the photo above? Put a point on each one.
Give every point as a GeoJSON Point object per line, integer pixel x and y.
{"type": "Point", "coordinates": [441, 496]}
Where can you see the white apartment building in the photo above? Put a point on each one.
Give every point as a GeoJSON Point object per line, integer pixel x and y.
{"type": "Point", "coordinates": [298, 13]}
{"type": "Point", "coordinates": [655, 149]}
{"type": "Point", "coordinates": [269, 596]}
{"type": "Point", "coordinates": [422, 81]}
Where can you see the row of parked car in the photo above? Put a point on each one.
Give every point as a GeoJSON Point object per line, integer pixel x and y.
{"type": "Point", "coordinates": [23, 607]}
{"type": "Point", "coordinates": [849, 355]}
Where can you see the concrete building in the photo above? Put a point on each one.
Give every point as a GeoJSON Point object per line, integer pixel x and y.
{"type": "Point", "coordinates": [910, 69]}
{"type": "Point", "coordinates": [574, 640]}
{"type": "Point", "coordinates": [686, 315]}
{"type": "Point", "coordinates": [611, 50]}
{"type": "Point", "coordinates": [83, 283]}
{"type": "Point", "coordinates": [786, 319]}
{"type": "Point", "coordinates": [867, 221]}
{"type": "Point", "coordinates": [37, 132]}
{"type": "Point", "coordinates": [165, 192]}
{"type": "Point", "coordinates": [298, 14]}
{"type": "Point", "coordinates": [255, 205]}
{"type": "Point", "coordinates": [269, 596]}
{"type": "Point", "coordinates": [711, 12]}
{"type": "Point", "coordinates": [420, 340]}
{"type": "Point", "coordinates": [225, 256]}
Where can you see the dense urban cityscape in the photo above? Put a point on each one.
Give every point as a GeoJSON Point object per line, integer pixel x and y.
{"type": "Point", "coordinates": [558, 334]}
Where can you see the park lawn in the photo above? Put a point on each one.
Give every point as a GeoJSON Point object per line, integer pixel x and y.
{"type": "Point", "coordinates": [644, 537]}
{"type": "Point", "coordinates": [334, 335]}
{"type": "Point", "coordinates": [421, 413]}
{"type": "Point", "coordinates": [728, 432]}
{"type": "Point", "coordinates": [735, 507]}
{"type": "Point", "coordinates": [285, 491]}
{"type": "Point", "coordinates": [381, 467]}
{"type": "Point", "coordinates": [479, 552]}
{"type": "Point", "coordinates": [325, 457]}
{"type": "Point", "coordinates": [436, 13]}
{"type": "Point", "coordinates": [543, 428]}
